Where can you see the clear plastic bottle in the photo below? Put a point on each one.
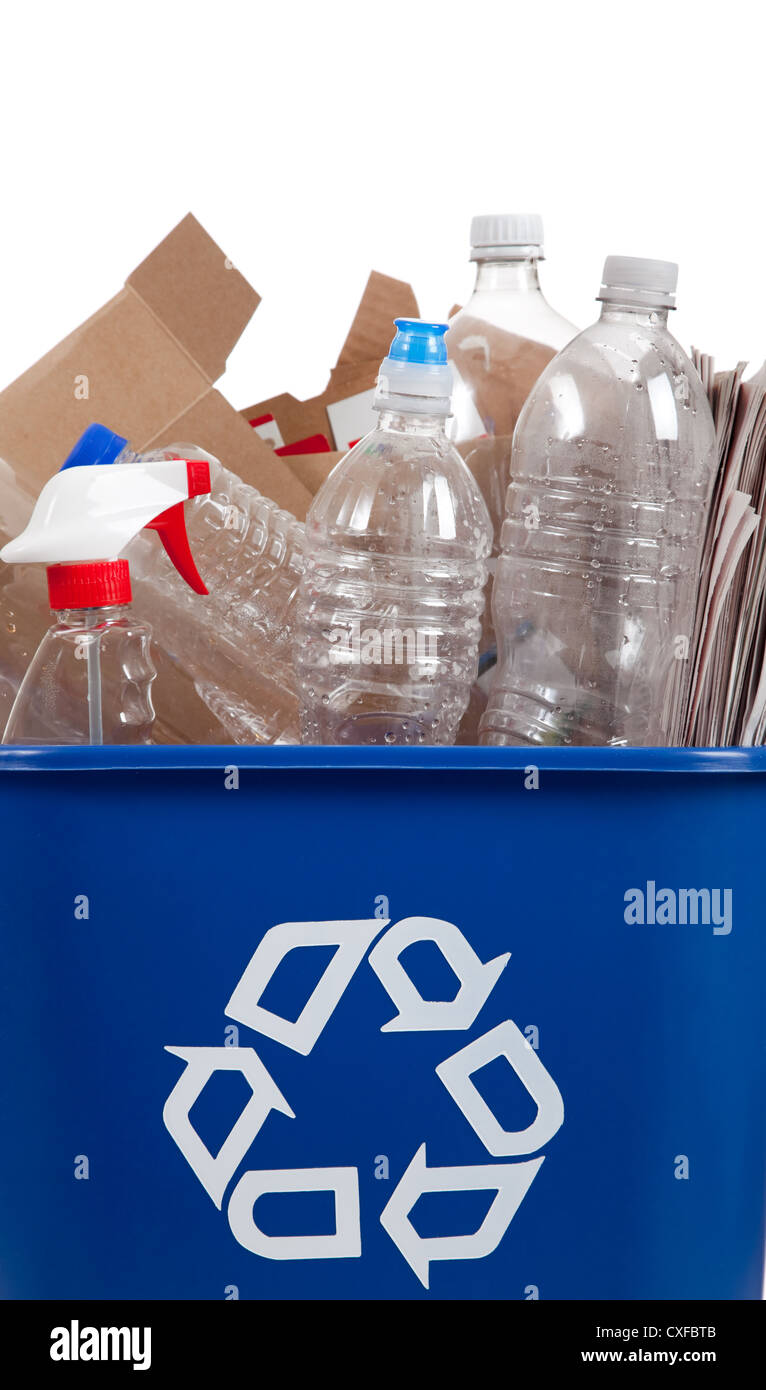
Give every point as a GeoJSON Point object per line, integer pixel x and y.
{"type": "Point", "coordinates": [90, 680]}
{"type": "Point", "coordinates": [613, 464]}
{"type": "Point", "coordinates": [180, 714]}
{"type": "Point", "coordinates": [499, 343]}
{"type": "Point", "coordinates": [24, 612]}
{"type": "Point", "coordinates": [396, 550]}
{"type": "Point", "coordinates": [237, 643]}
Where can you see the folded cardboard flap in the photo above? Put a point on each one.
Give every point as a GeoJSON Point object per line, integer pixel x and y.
{"type": "Point", "coordinates": [144, 364]}
{"type": "Point", "coordinates": [355, 372]}
{"type": "Point", "coordinates": [120, 367]}
{"type": "Point", "coordinates": [296, 419]}
{"type": "Point", "coordinates": [217, 427]}
{"type": "Point", "coordinates": [197, 294]}
{"type": "Point", "coordinates": [371, 331]}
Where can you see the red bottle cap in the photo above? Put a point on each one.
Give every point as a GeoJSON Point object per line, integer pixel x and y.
{"type": "Point", "coordinates": [98, 584]}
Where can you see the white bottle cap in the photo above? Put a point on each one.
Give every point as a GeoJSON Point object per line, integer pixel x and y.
{"type": "Point", "coordinates": [631, 280]}
{"type": "Point", "coordinates": [506, 235]}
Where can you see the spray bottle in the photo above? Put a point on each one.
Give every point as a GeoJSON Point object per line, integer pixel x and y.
{"type": "Point", "coordinates": [90, 680]}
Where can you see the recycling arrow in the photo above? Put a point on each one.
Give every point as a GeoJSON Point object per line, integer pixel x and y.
{"type": "Point", "coordinates": [511, 1182]}
{"type": "Point", "coordinates": [215, 1170]}
{"type": "Point", "coordinates": [416, 1014]}
{"type": "Point", "coordinates": [350, 938]}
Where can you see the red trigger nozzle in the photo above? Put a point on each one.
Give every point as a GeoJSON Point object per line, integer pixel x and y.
{"type": "Point", "coordinates": [170, 526]}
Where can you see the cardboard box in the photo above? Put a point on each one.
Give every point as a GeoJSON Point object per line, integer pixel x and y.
{"type": "Point", "coordinates": [343, 413]}
{"type": "Point", "coordinates": [144, 365]}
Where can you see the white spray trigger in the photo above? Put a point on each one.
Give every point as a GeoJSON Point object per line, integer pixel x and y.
{"type": "Point", "coordinates": [92, 512]}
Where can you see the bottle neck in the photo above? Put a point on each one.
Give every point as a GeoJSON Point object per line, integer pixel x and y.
{"type": "Point", "coordinates": [411, 422]}
{"type": "Point", "coordinates": [612, 312]}
{"type": "Point", "coordinates": [507, 276]}
{"type": "Point", "coordinates": [91, 617]}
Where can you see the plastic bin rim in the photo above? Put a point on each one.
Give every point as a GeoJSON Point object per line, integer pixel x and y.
{"type": "Point", "coordinates": [218, 757]}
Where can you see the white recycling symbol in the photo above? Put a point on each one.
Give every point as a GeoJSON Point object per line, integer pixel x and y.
{"type": "Point", "coordinates": [510, 1181]}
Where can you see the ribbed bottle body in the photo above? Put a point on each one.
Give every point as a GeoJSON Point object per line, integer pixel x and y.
{"type": "Point", "coordinates": [612, 467]}
{"type": "Point", "coordinates": [389, 612]}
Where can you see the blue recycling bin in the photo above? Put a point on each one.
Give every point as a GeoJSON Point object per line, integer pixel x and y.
{"type": "Point", "coordinates": [382, 1024]}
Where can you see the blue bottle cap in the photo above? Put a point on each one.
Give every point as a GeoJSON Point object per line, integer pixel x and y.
{"type": "Point", "coordinates": [96, 445]}
{"type": "Point", "coordinates": [419, 342]}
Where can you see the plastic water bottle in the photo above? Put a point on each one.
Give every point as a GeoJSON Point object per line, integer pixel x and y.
{"type": "Point", "coordinates": [396, 549]}
{"type": "Point", "coordinates": [612, 469]}
{"type": "Point", "coordinates": [499, 343]}
{"type": "Point", "coordinates": [90, 679]}
{"type": "Point", "coordinates": [236, 644]}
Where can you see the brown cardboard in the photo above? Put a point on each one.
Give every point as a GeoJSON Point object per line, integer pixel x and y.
{"type": "Point", "coordinates": [144, 365]}
{"type": "Point", "coordinates": [296, 419]}
{"type": "Point", "coordinates": [367, 343]}
{"type": "Point", "coordinates": [197, 295]}
{"type": "Point", "coordinates": [215, 425]}
{"type": "Point", "coordinates": [370, 334]}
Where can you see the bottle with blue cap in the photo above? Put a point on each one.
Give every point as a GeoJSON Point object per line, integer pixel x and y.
{"type": "Point", "coordinates": [395, 563]}
{"type": "Point", "coordinates": [90, 681]}
{"type": "Point", "coordinates": [612, 469]}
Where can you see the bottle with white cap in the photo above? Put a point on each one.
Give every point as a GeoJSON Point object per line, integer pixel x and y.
{"type": "Point", "coordinates": [90, 679]}
{"type": "Point", "coordinates": [613, 464]}
{"type": "Point", "coordinates": [395, 561]}
{"type": "Point", "coordinates": [499, 344]}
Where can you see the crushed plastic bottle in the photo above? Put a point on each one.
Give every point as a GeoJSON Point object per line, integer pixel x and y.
{"type": "Point", "coordinates": [90, 680]}
{"type": "Point", "coordinates": [612, 469]}
{"type": "Point", "coordinates": [396, 549]}
{"type": "Point", "coordinates": [237, 643]}
{"type": "Point", "coordinates": [24, 612]}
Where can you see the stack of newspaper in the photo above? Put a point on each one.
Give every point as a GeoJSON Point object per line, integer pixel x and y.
{"type": "Point", "coordinates": [727, 698]}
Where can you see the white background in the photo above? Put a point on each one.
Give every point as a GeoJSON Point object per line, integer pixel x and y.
{"type": "Point", "coordinates": [317, 141]}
